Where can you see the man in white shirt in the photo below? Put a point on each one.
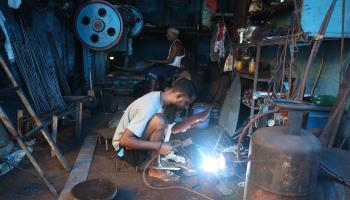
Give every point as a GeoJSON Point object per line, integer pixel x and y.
{"type": "Point", "coordinates": [141, 130]}
{"type": "Point", "coordinates": [172, 64]}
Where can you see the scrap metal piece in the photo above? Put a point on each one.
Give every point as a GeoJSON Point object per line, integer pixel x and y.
{"type": "Point", "coordinates": [230, 109]}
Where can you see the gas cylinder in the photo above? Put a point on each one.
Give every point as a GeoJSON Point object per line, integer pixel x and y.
{"type": "Point", "coordinates": [283, 162]}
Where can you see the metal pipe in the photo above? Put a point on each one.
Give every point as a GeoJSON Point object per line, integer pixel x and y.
{"type": "Point", "coordinates": [342, 39]}
{"type": "Point", "coordinates": [35, 118]}
{"type": "Point", "coordinates": [244, 131]}
{"type": "Point", "coordinates": [254, 85]}
{"type": "Point", "coordinates": [315, 47]}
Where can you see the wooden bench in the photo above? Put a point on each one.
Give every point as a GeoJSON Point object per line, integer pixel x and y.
{"type": "Point", "coordinates": [107, 134]}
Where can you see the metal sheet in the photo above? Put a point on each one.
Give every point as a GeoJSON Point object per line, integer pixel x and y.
{"type": "Point", "coordinates": [230, 109]}
{"type": "Point", "coordinates": [337, 161]}
{"type": "Point", "coordinates": [313, 12]}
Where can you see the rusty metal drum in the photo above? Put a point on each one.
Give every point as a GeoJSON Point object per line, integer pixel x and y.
{"type": "Point", "coordinates": [283, 164]}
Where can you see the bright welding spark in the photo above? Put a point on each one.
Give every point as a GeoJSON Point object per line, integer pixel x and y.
{"type": "Point", "coordinates": [111, 57]}
{"type": "Point", "coordinates": [210, 164]}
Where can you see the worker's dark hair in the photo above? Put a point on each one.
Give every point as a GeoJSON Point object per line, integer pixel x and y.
{"type": "Point", "coordinates": [185, 86]}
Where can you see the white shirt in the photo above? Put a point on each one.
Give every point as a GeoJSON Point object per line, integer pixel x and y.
{"type": "Point", "coordinates": [137, 115]}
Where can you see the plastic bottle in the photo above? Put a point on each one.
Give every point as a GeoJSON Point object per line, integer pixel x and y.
{"type": "Point", "coordinates": [324, 100]}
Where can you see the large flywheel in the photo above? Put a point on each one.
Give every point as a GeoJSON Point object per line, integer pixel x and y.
{"type": "Point", "coordinates": [133, 20]}
{"type": "Point", "coordinates": [99, 25]}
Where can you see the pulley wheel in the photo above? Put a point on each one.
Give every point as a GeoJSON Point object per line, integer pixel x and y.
{"type": "Point", "coordinates": [99, 25]}
{"type": "Point", "coordinates": [134, 20]}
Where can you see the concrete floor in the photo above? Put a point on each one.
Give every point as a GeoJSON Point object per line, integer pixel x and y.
{"type": "Point", "coordinates": [23, 184]}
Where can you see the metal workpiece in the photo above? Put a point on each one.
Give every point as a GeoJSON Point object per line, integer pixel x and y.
{"type": "Point", "coordinates": [328, 188]}
{"type": "Point", "coordinates": [282, 165]}
{"type": "Point", "coordinates": [334, 180]}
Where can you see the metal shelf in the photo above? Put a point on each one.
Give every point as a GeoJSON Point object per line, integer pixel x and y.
{"type": "Point", "coordinates": [246, 76]}
{"type": "Point", "coordinates": [277, 40]}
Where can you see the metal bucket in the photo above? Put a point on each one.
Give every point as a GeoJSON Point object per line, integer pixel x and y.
{"type": "Point", "coordinates": [94, 189]}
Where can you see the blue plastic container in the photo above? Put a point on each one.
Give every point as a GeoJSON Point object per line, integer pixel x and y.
{"type": "Point", "coordinates": [197, 108]}
{"type": "Point", "coordinates": [317, 119]}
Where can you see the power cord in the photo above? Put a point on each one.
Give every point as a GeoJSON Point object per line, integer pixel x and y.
{"type": "Point", "coordinates": [170, 187]}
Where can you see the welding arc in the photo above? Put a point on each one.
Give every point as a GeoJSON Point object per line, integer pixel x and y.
{"type": "Point", "coordinates": [170, 187]}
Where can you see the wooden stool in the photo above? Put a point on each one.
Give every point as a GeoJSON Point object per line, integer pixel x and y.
{"type": "Point", "coordinates": [107, 134]}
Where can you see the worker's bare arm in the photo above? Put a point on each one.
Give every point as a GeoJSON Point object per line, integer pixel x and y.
{"type": "Point", "coordinates": [129, 140]}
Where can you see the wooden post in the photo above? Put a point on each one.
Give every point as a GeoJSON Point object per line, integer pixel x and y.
{"type": "Point", "coordinates": [20, 116]}
{"type": "Point", "coordinates": [54, 132]}
{"type": "Point", "coordinates": [33, 115]}
{"type": "Point", "coordinates": [78, 118]}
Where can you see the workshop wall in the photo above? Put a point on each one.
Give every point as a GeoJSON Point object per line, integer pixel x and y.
{"type": "Point", "coordinates": [329, 79]}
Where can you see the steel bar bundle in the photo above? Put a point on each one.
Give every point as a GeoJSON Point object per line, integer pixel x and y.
{"type": "Point", "coordinates": [38, 74]}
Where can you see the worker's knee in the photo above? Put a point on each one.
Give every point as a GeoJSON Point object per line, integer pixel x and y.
{"type": "Point", "coordinates": [159, 122]}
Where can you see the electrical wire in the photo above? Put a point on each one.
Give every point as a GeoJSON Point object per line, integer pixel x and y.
{"type": "Point", "coordinates": [170, 187]}
{"type": "Point", "coordinates": [244, 131]}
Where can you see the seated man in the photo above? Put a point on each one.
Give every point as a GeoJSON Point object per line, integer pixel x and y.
{"type": "Point", "coordinates": [141, 130]}
{"type": "Point", "coordinates": [172, 64]}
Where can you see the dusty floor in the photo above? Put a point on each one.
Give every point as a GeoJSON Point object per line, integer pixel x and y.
{"type": "Point", "coordinates": [23, 184]}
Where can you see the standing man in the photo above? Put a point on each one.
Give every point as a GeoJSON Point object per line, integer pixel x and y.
{"type": "Point", "coordinates": [141, 130]}
{"type": "Point", "coordinates": [172, 64]}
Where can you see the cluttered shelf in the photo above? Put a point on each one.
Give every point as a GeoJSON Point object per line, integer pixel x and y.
{"type": "Point", "coordinates": [301, 38]}
{"type": "Point", "coordinates": [256, 12]}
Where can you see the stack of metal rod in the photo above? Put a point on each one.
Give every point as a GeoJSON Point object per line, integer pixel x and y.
{"type": "Point", "coordinates": [38, 74]}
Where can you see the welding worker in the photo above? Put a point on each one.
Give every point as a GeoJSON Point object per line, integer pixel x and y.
{"type": "Point", "coordinates": [172, 64]}
{"type": "Point", "coordinates": [141, 130]}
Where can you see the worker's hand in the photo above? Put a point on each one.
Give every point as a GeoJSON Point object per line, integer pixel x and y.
{"type": "Point", "coordinates": [165, 148]}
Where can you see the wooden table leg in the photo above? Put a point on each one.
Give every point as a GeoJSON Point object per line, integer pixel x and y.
{"type": "Point", "coordinates": [79, 117]}
{"type": "Point", "coordinates": [54, 132]}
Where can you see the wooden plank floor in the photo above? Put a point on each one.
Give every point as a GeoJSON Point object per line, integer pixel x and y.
{"type": "Point", "coordinates": [81, 167]}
